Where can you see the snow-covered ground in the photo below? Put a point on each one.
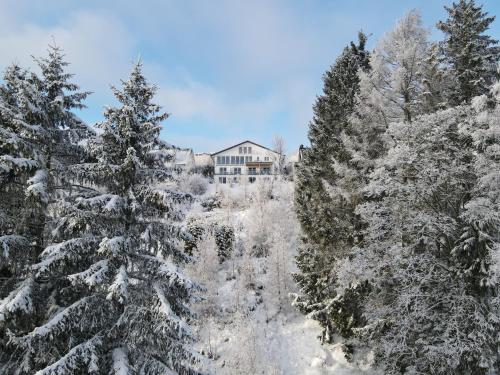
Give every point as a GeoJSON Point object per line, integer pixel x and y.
{"type": "Point", "coordinates": [246, 323]}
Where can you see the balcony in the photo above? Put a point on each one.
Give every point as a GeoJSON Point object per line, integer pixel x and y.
{"type": "Point", "coordinates": [259, 164]}
{"type": "Point", "coordinates": [250, 173]}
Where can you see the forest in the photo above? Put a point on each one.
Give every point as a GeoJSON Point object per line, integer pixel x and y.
{"type": "Point", "coordinates": [377, 253]}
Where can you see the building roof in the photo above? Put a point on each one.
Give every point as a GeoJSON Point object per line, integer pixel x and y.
{"type": "Point", "coordinates": [236, 145]}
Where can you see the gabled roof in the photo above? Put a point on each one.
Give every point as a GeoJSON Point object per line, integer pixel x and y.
{"type": "Point", "coordinates": [256, 144]}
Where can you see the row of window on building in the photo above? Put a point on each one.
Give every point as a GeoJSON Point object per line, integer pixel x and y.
{"type": "Point", "coordinates": [233, 159]}
{"type": "Point", "coordinates": [245, 150]}
{"type": "Point", "coordinates": [251, 170]}
{"type": "Point", "coordinates": [237, 160]}
{"type": "Point", "coordinates": [227, 180]}
{"type": "Point", "coordinates": [224, 171]}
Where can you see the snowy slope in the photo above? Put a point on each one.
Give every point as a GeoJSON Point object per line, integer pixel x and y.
{"type": "Point", "coordinates": [246, 326]}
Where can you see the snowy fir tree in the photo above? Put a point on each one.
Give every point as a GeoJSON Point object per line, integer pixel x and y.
{"type": "Point", "coordinates": [326, 234]}
{"type": "Point", "coordinates": [22, 176]}
{"type": "Point", "coordinates": [406, 178]}
{"type": "Point", "coordinates": [37, 139]}
{"type": "Point", "coordinates": [469, 56]}
{"type": "Point", "coordinates": [116, 301]}
{"type": "Point", "coordinates": [390, 90]}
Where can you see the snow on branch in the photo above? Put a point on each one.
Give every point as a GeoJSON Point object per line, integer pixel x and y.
{"type": "Point", "coordinates": [9, 163]}
{"type": "Point", "coordinates": [11, 242]}
{"type": "Point", "coordinates": [60, 322]}
{"type": "Point", "coordinates": [71, 250]}
{"type": "Point", "coordinates": [85, 353]}
{"type": "Point", "coordinates": [94, 275]}
{"type": "Point", "coordinates": [38, 186]}
{"type": "Point", "coordinates": [161, 268]}
{"type": "Point", "coordinates": [166, 310]}
{"type": "Point", "coordinates": [18, 300]}
{"type": "Point", "coordinates": [119, 289]}
{"type": "Point", "coordinates": [115, 246]}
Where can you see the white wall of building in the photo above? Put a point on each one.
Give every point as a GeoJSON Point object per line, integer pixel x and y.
{"type": "Point", "coordinates": [245, 162]}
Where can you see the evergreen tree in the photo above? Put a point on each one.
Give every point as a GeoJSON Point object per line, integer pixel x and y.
{"type": "Point", "coordinates": [430, 249]}
{"type": "Point", "coordinates": [327, 221]}
{"type": "Point", "coordinates": [470, 56]}
{"type": "Point", "coordinates": [37, 140]}
{"type": "Point", "coordinates": [224, 240]}
{"type": "Point", "coordinates": [117, 301]}
{"type": "Point", "coordinates": [23, 197]}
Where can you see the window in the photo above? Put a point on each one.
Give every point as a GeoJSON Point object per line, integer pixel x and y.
{"type": "Point", "coordinates": [237, 170]}
{"type": "Point", "coordinates": [266, 158]}
{"type": "Point", "coordinates": [223, 170]}
{"type": "Point", "coordinates": [257, 158]}
{"type": "Point", "coordinates": [233, 160]}
{"type": "Point", "coordinates": [235, 179]}
{"type": "Point", "coordinates": [219, 160]}
{"type": "Point", "coordinates": [241, 150]}
{"type": "Point", "coordinates": [251, 179]}
{"type": "Point", "coordinates": [222, 180]}
{"type": "Point", "coordinates": [266, 170]}
{"type": "Point", "coordinates": [227, 159]}
{"type": "Point", "coordinates": [249, 150]}
{"type": "Point", "coordinates": [242, 160]}
{"type": "Point", "coordinates": [252, 170]}
{"type": "Point", "coordinates": [244, 150]}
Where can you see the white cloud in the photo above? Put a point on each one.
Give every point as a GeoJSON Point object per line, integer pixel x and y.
{"type": "Point", "coordinates": [98, 47]}
{"type": "Point", "coordinates": [259, 54]}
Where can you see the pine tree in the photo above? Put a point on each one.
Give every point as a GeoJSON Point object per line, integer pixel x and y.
{"type": "Point", "coordinates": [117, 301]}
{"type": "Point", "coordinates": [22, 177]}
{"type": "Point", "coordinates": [327, 220]}
{"type": "Point", "coordinates": [470, 57]}
{"type": "Point", "coordinates": [38, 139]}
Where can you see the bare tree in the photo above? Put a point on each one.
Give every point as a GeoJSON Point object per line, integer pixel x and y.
{"type": "Point", "coordinates": [279, 148]}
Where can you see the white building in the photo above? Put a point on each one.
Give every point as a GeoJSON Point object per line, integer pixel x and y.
{"type": "Point", "coordinates": [245, 162]}
{"type": "Point", "coordinates": [183, 159]}
{"type": "Point", "coordinates": [203, 159]}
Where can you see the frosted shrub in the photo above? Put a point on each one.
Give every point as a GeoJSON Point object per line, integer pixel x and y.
{"type": "Point", "coordinates": [194, 184]}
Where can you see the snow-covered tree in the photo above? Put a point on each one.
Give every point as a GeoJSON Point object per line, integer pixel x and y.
{"type": "Point", "coordinates": [280, 159]}
{"type": "Point", "coordinates": [391, 91]}
{"type": "Point", "coordinates": [23, 198]}
{"type": "Point", "coordinates": [469, 55]}
{"type": "Point", "coordinates": [117, 300]}
{"type": "Point", "coordinates": [430, 249]}
{"type": "Point", "coordinates": [435, 82]}
{"type": "Point", "coordinates": [36, 147]}
{"type": "Point", "coordinates": [283, 244]}
{"type": "Point", "coordinates": [327, 221]}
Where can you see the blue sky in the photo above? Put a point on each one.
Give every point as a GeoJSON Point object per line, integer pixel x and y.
{"type": "Point", "coordinates": [227, 70]}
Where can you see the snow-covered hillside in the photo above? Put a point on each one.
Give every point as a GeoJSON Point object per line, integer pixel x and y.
{"type": "Point", "coordinates": [246, 322]}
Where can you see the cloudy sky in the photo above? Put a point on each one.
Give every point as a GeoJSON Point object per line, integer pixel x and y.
{"type": "Point", "coordinates": [227, 70]}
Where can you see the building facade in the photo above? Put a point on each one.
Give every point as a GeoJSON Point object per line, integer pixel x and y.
{"type": "Point", "coordinates": [244, 162]}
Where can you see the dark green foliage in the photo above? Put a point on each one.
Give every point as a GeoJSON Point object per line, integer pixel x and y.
{"type": "Point", "coordinates": [328, 222]}
{"type": "Point", "coordinates": [212, 202]}
{"type": "Point", "coordinates": [195, 233]}
{"type": "Point", "coordinates": [224, 240]}
{"type": "Point", "coordinates": [470, 57]}
{"type": "Point", "coordinates": [108, 280]}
